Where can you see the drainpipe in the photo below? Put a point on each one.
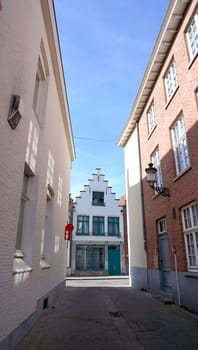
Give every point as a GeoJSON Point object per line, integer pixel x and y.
{"type": "Point", "coordinates": [176, 275]}
{"type": "Point", "coordinates": [142, 202]}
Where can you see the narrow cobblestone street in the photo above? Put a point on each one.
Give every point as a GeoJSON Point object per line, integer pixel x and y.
{"type": "Point", "coordinates": [119, 318]}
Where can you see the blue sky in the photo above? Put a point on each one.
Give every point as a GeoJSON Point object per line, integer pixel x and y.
{"type": "Point", "coordinates": [105, 45]}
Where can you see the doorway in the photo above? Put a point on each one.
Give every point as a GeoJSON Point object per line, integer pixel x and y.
{"type": "Point", "coordinates": [114, 260]}
{"type": "Point", "coordinates": [165, 270]}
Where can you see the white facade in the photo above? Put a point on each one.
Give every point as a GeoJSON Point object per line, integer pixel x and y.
{"type": "Point", "coordinates": [35, 165]}
{"type": "Point", "coordinates": [135, 219]}
{"type": "Point", "coordinates": [98, 230]}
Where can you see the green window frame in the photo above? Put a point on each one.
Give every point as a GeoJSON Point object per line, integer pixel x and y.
{"type": "Point", "coordinates": [98, 198]}
{"type": "Point", "coordinates": [98, 226]}
{"type": "Point", "coordinates": [90, 257]}
{"type": "Point", "coordinates": [82, 225]}
{"type": "Point", "coordinates": [113, 226]}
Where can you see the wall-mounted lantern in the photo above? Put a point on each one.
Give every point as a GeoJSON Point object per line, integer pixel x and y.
{"type": "Point", "coordinates": [152, 180]}
{"type": "Point", "coordinates": [15, 111]}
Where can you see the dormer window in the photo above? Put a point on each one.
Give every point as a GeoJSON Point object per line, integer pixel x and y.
{"type": "Point", "coordinates": [98, 198]}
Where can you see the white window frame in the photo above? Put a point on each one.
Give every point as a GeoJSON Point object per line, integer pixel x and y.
{"type": "Point", "coordinates": [190, 230]}
{"type": "Point", "coordinates": [155, 159]}
{"type": "Point", "coordinates": [151, 118]}
{"type": "Point", "coordinates": [171, 81]}
{"type": "Point", "coordinates": [180, 145]}
{"type": "Point", "coordinates": [192, 36]}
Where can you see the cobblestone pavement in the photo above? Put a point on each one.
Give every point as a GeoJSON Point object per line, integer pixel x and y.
{"type": "Point", "coordinates": [112, 317]}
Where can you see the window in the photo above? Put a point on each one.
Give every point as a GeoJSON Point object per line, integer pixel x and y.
{"type": "Point", "coordinates": [190, 229]}
{"type": "Point", "coordinates": [98, 225]}
{"type": "Point", "coordinates": [162, 227]}
{"type": "Point", "coordinates": [113, 226]}
{"type": "Point", "coordinates": [32, 147]}
{"type": "Point", "coordinates": [41, 86]}
{"type": "Point", "coordinates": [192, 36]}
{"type": "Point", "coordinates": [90, 257]}
{"type": "Point", "coordinates": [98, 198]}
{"type": "Point", "coordinates": [82, 225]}
{"type": "Point", "coordinates": [171, 82]}
{"type": "Point", "coordinates": [151, 118]}
{"type": "Point", "coordinates": [22, 212]}
{"type": "Point", "coordinates": [155, 159]}
{"type": "Point", "coordinates": [47, 232]}
{"type": "Point", "coordinates": [180, 145]}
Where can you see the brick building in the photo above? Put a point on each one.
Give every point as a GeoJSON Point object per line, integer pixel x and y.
{"type": "Point", "coordinates": [163, 125]}
{"type": "Point", "coordinates": [36, 154]}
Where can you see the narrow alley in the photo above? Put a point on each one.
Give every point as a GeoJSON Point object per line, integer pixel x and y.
{"type": "Point", "coordinates": [111, 316]}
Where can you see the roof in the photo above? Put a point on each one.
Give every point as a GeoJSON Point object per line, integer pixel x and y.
{"type": "Point", "coordinates": [168, 31]}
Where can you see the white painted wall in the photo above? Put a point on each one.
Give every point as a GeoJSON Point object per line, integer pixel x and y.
{"type": "Point", "coordinates": [83, 206]}
{"type": "Point", "coordinates": [137, 256]}
{"type": "Point", "coordinates": [22, 28]}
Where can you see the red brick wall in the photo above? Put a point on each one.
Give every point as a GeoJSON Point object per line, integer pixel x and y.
{"type": "Point", "coordinates": [185, 189]}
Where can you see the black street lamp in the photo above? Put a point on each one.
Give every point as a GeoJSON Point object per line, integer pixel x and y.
{"type": "Point", "coordinates": [151, 179]}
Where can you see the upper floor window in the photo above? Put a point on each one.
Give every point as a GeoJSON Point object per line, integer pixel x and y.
{"type": "Point", "coordinates": [113, 226]}
{"type": "Point", "coordinates": [98, 225]}
{"type": "Point", "coordinates": [155, 159]}
{"type": "Point", "coordinates": [171, 82]}
{"type": "Point", "coordinates": [41, 86]}
{"type": "Point", "coordinates": [82, 225]}
{"type": "Point", "coordinates": [151, 118]}
{"type": "Point", "coordinates": [190, 229]}
{"type": "Point", "coordinates": [98, 198]}
{"type": "Point", "coordinates": [192, 36]}
{"type": "Point", "coordinates": [180, 145]}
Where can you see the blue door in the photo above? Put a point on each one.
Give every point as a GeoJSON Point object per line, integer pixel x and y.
{"type": "Point", "coordinates": [114, 260]}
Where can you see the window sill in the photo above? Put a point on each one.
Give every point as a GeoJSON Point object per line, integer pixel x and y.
{"type": "Point", "coordinates": [82, 234]}
{"type": "Point", "coordinates": [192, 274]}
{"type": "Point", "coordinates": [98, 234]}
{"type": "Point", "coordinates": [44, 264]}
{"type": "Point", "coordinates": [182, 173]}
{"type": "Point", "coordinates": [20, 266]}
{"type": "Point", "coordinates": [114, 236]}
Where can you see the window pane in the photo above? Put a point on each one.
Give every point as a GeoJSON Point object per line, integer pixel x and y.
{"type": "Point", "coordinates": [98, 198]}
{"type": "Point", "coordinates": [190, 223]}
{"type": "Point", "coordinates": [171, 81]}
{"type": "Point", "coordinates": [191, 250]}
{"type": "Point", "coordinates": [180, 145]}
{"type": "Point", "coordinates": [24, 199]}
{"type": "Point", "coordinates": [156, 162]}
{"type": "Point", "coordinates": [192, 36]}
{"type": "Point", "coordinates": [82, 224]}
{"type": "Point", "coordinates": [98, 225]}
{"type": "Point", "coordinates": [151, 118]}
{"type": "Point", "coordinates": [113, 226]}
{"type": "Point", "coordinates": [80, 257]}
{"type": "Point", "coordinates": [194, 215]}
{"type": "Point", "coordinates": [90, 257]}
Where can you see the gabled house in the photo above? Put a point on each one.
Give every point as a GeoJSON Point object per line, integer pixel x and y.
{"type": "Point", "coordinates": [36, 155]}
{"type": "Point", "coordinates": [97, 240]}
{"type": "Point", "coordinates": [161, 163]}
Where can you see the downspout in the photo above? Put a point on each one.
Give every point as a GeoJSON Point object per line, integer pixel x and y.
{"type": "Point", "coordinates": [177, 277]}
{"type": "Point", "coordinates": [142, 202]}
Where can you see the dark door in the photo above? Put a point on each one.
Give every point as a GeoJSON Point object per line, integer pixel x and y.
{"type": "Point", "coordinates": [164, 256]}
